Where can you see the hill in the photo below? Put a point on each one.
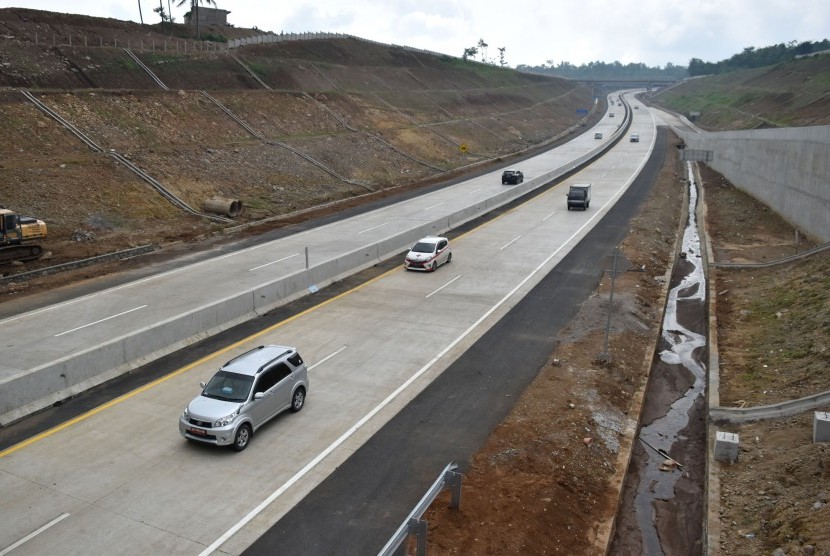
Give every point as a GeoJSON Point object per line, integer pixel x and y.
{"type": "Point", "coordinates": [281, 127]}
{"type": "Point", "coordinates": [790, 94]}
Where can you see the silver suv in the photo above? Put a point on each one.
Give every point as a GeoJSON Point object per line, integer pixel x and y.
{"type": "Point", "coordinates": [247, 392]}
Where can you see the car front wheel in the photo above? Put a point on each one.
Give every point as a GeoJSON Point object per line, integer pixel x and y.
{"type": "Point", "coordinates": [298, 400]}
{"type": "Point", "coordinates": [243, 437]}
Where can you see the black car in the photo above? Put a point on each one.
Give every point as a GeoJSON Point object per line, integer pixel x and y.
{"type": "Point", "coordinates": [512, 176]}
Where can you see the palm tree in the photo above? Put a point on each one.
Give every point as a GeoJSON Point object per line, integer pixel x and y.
{"type": "Point", "coordinates": [194, 10]}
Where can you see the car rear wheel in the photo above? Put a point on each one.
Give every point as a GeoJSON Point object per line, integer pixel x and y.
{"type": "Point", "coordinates": [243, 437]}
{"type": "Point", "coordinates": [298, 400]}
{"type": "Point", "coordinates": [449, 258]}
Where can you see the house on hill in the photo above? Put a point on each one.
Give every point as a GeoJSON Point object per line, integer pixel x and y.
{"type": "Point", "coordinates": [207, 17]}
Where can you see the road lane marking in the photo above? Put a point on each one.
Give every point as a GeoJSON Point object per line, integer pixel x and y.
{"type": "Point", "coordinates": [372, 228]}
{"type": "Point", "coordinates": [276, 326]}
{"type": "Point", "coordinates": [273, 262]}
{"type": "Point", "coordinates": [386, 401]}
{"type": "Point", "coordinates": [100, 321]}
{"type": "Point", "coordinates": [548, 216]}
{"type": "Point", "coordinates": [326, 358]}
{"type": "Point", "coordinates": [33, 534]}
{"type": "Point", "coordinates": [509, 243]}
{"type": "Point", "coordinates": [207, 358]}
{"type": "Point", "coordinates": [438, 205]}
{"type": "Point", "coordinates": [442, 287]}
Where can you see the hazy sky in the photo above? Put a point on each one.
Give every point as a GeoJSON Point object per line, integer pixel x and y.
{"type": "Point", "coordinates": [532, 32]}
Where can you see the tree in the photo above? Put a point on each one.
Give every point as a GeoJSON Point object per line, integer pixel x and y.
{"type": "Point", "coordinates": [194, 10]}
{"type": "Point", "coordinates": [469, 52]}
{"type": "Point", "coordinates": [502, 63]}
{"type": "Point", "coordinates": [164, 17]}
{"type": "Point", "coordinates": [482, 48]}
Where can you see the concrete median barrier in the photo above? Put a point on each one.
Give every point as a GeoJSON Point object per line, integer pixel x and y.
{"type": "Point", "coordinates": [28, 391]}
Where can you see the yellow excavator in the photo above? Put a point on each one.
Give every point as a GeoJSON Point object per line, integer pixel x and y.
{"type": "Point", "coordinates": [19, 236]}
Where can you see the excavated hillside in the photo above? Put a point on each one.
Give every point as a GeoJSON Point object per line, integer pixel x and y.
{"type": "Point", "coordinates": [386, 119]}
{"type": "Point", "coordinates": [281, 128]}
{"type": "Point", "coordinates": [789, 94]}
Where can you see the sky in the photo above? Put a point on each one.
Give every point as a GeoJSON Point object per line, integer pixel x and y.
{"type": "Point", "coordinates": [531, 32]}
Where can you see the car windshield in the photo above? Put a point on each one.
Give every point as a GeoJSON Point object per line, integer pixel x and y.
{"type": "Point", "coordinates": [229, 387]}
{"type": "Point", "coordinates": [422, 247]}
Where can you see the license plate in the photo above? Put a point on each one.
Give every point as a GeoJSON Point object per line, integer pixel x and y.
{"type": "Point", "coordinates": [197, 432]}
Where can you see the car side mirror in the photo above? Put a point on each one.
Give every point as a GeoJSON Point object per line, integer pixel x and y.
{"type": "Point", "coordinates": [202, 384]}
{"type": "Point", "coordinates": [259, 395]}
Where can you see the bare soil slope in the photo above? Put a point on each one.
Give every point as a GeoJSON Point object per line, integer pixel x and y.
{"type": "Point", "coordinates": [547, 480]}
{"type": "Point", "coordinates": [340, 119]}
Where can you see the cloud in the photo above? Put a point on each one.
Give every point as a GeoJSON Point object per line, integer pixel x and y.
{"type": "Point", "coordinates": [653, 32]}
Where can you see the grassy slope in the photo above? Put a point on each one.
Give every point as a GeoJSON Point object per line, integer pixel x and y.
{"type": "Point", "coordinates": [790, 94]}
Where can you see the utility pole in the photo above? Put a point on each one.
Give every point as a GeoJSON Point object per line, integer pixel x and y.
{"type": "Point", "coordinates": [605, 356]}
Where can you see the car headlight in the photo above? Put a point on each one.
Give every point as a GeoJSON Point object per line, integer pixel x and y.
{"type": "Point", "coordinates": [185, 414]}
{"type": "Point", "coordinates": [226, 420]}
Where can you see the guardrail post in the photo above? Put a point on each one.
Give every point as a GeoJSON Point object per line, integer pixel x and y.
{"type": "Point", "coordinates": [453, 480]}
{"type": "Point", "coordinates": [418, 528]}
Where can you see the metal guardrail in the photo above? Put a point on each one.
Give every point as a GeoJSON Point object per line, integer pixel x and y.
{"type": "Point", "coordinates": [413, 524]}
{"type": "Point", "coordinates": [98, 259]}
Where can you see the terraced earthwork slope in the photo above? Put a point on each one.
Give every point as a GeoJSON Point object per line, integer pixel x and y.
{"type": "Point", "coordinates": [281, 127]}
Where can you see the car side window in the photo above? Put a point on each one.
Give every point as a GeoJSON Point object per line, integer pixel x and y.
{"type": "Point", "coordinates": [272, 377]}
{"type": "Point", "coordinates": [266, 381]}
{"type": "Point", "coordinates": [281, 371]}
{"type": "Point", "coordinates": [442, 245]}
{"type": "Point", "coordinates": [295, 360]}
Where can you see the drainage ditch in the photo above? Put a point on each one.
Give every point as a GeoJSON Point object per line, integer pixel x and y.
{"type": "Point", "coordinates": [661, 512]}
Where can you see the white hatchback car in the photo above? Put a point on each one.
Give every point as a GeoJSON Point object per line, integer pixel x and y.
{"type": "Point", "coordinates": [428, 254]}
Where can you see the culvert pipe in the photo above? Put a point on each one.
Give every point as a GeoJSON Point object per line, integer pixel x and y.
{"type": "Point", "coordinates": [228, 207]}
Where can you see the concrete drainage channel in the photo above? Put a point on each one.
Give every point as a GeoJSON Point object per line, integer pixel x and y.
{"type": "Point", "coordinates": [662, 506]}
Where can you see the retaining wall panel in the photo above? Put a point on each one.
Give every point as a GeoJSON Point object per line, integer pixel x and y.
{"type": "Point", "coordinates": [787, 169]}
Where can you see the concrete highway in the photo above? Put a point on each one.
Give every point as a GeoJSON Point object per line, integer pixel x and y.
{"type": "Point", "coordinates": [121, 476]}
{"type": "Point", "coordinates": [60, 349]}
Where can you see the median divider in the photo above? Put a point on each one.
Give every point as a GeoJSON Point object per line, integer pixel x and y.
{"type": "Point", "coordinates": [32, 390]}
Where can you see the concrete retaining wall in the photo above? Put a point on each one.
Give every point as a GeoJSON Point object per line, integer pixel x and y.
{"type": "Point", "coordinates": [786, 169]}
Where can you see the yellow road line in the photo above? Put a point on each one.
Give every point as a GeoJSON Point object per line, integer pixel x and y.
{"type": "Point", "coordinates": [177, 372]}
